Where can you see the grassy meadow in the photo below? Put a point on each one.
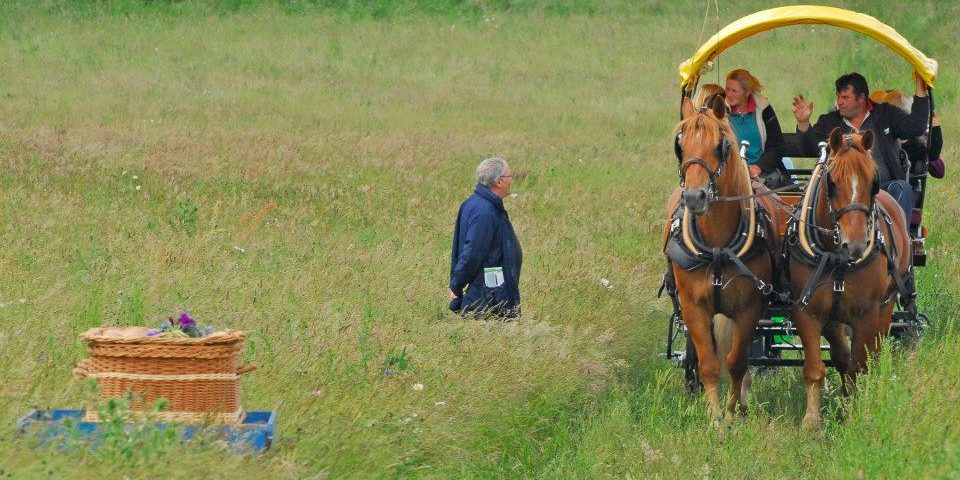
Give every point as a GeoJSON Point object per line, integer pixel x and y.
{"type": "Point", "coordinates": [294, 169]}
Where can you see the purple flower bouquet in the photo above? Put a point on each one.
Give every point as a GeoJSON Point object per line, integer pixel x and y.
{"type": "Point", "coordinates": [183, 326]}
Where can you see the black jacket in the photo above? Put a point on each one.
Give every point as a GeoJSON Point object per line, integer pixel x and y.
{"type": "Point", "coordinates": [888, 123]}
{"type": "Point", "coordinates": [772, 158]}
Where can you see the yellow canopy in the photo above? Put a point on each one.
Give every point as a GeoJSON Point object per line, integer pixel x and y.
{"type": "Point", "coordinates": [799, 15]}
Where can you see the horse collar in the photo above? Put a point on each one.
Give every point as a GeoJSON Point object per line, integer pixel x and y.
{"type": "Point", "coordinates": [689, 250]}
{"type": "Point", "coordinates": [804, 241]}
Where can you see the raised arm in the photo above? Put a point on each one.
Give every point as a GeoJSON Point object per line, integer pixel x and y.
{"type": "Point", "coordinates": [802, 110]}
{"type": "Point", "coordinates": [914, 124]}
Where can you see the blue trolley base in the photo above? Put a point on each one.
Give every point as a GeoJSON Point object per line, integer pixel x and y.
{"type": "Point", "coordinates": [254, 433]}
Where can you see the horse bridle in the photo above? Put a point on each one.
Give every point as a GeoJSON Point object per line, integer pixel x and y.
{"type": "Point", "coordinates": [723, 149]}
{"type": "Point", "coordinates": [853, 207]}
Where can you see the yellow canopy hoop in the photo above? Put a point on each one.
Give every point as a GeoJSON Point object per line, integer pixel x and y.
{"type": "Point", "coordinates": [762, 21]}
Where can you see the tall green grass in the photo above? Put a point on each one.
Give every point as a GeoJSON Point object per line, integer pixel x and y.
{"type": "Point", "coordinates": [293, 169]}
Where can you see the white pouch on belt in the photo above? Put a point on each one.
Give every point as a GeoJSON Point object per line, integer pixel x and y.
{"type": "Point", "coordinates": [493, 277]}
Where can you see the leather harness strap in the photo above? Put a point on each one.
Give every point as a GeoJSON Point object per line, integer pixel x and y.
{"type": "Point", "coordinates": [716, 258]}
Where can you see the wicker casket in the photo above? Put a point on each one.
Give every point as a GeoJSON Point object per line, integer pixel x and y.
{"type": "Point", "coordinates": [199, 377]}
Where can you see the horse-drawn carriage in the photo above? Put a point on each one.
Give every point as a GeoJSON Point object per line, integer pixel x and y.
{"type": "Point", "coordinates": [773, 337]}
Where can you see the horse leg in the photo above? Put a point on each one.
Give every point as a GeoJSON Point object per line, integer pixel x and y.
{"type": "Point", "coordinates": [839, 352]}
{"type": "Point", "coordinates": [814, 369]}
{"type": "Point", "coordinates": [867, 340]}
{"type": "Point", "coordinates": [886, 316]}
{"type": "Point", "coordinates": [737, 360]}
{"type": "Point", "coordinates": [698, 324]}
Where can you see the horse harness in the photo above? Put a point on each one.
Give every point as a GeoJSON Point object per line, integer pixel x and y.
{"type": "Point", "coordinates": [804, 243]}
{"type": "Point", "coordinates": [687, 249]}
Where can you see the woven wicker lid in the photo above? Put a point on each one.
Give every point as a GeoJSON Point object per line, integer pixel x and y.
{"type": "Point", "coordinates": [139, 335]}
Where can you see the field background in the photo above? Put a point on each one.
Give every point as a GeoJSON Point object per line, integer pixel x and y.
{"type": "Point", "coordinates": [294, 168]}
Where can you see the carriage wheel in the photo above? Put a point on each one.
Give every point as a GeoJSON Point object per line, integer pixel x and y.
{"type": "Point", "coordinates": [691, 368]}
{"type": "Point", "coordinates": [911, 334]}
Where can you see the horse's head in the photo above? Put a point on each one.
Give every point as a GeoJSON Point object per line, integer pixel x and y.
{"type": "Point", "coordinates": [703, 147]}
{"type": "Point", "coordinates": [851, 188]}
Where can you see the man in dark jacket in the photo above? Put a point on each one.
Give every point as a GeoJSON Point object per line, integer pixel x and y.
{"type": "Point", "coordinates": [486, 257]}
{"type": "Point", "coordinates": [855, 112]}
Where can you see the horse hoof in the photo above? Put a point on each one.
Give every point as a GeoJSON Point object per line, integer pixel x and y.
{"type": "Point", "coordinates": [811, 423]}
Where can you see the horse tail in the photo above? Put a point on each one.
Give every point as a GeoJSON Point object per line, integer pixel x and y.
{"type": "Point", "coordinates": [723, 340]}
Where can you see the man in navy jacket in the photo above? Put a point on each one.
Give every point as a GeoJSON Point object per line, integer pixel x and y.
{"type": "Point", "coordinates": [486, 256]}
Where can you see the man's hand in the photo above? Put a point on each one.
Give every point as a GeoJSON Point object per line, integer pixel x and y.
{"type": "Point", "coordinates": [754, 171]}
{"type": "Point", "coordinates": [451, 295]}
{"type": "Point", "coordinates": [921, 84]}
{"type": "Point", "coordinates": [802, 109]}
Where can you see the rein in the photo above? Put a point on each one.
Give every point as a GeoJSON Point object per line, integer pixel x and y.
{"type": "Point", "coordinates": [793, 186]}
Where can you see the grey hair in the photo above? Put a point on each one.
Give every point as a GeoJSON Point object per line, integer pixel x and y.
{"type": "Point", "coordinates": [490, 170]}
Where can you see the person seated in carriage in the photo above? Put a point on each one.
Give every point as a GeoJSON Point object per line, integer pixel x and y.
{"type": "Point", "coordinates": [702, 98]}
{"type": "Point", "coordinates": [918, 155]}
{"type": "Point", "coordinates": [855, 112]}
{"type": "Point", "coordinates": [922, 158]}
{"type": "Point", "coordinates": [753, 119]}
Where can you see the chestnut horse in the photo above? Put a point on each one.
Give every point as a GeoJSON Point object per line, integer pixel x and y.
{"type": "Point", "coordinates": [719, 244]}
{"type": "Point", "coordinates": [849, 259]}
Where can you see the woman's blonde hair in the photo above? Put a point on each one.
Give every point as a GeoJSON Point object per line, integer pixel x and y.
{"type": "Point", "coordinates": [749, 82]}
{"type": "Point", "coordinates": [704, 92]}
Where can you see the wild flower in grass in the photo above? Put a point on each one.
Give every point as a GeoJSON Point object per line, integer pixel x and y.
{"type": "Point", "coordinates": [441, 403]}
{"type": "Point", "coordinates": [418, 386]}
{"type": "Point", "coordinates": [399, 361]}
{"type": "Point", "coordinates": [652, 454]}
{"type": "Point", "coordinates": [606, 283]}
{"type": "Point", "coordinates": [240, 249]}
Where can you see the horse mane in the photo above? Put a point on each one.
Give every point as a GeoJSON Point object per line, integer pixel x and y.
{"type": "Point", "coordinates": [706, 127]}
{"type": "Point", "coordinates": [852, 159]}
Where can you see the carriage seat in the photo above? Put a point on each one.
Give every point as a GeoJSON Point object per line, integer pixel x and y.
{"type": "Point", "coordinates": [793, 147]}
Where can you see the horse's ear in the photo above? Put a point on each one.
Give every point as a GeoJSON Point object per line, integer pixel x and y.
{"type": "Point", "coordinates": [686, 107]}
{"type": "Point", "coordinates": [867, 139]}
{"type": "Point", "coordinates": [719, 106]}
{"type": "Point", "coordinates": [835, 138]}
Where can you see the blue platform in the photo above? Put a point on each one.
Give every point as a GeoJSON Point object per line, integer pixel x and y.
{"type": "Point", "coordinates": [254, 433]}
